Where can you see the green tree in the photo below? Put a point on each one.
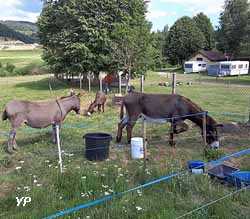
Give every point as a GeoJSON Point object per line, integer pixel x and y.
{"type": "Point", "coordinates": [205, 25]}
{"type": "Point", "coordinates": [80, 36]}
{"type": "Point", "coordinates": [233, 30]}
{"type": "Point", "coordinates": [184, 39]}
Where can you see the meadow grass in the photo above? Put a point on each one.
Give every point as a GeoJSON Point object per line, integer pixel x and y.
{"type": "Point", "coordinates": [20, 58]}
{"type": "Point", "coordinates": [84, 181]}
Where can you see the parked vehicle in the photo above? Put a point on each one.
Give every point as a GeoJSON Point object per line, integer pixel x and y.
{"type": "Point", "coordinates": [228, 68]}
{"type": "Point", "coordinates": [195, 66]}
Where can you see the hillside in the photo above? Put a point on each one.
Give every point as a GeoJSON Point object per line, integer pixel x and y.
{"type": "Point", "coordinates": [27, 28]}
{"type": "Point", "coordinates": [6, 32]}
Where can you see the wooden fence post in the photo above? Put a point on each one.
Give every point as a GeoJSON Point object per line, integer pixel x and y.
{"type": "Point", "coordinates": [142, 83]}
{"type": "Point", "coordinates": [80, 77]}
{"type": "Point", "coordinates": [144, 133]}
{"type": "Point", "coordinates": [172, 120]}
{"type": "Point", "coordinates": [205, 129]}
{"type": "Point", "coordinates": [249, 109]}
{"type": "Point", "coordinates": [174, 83]}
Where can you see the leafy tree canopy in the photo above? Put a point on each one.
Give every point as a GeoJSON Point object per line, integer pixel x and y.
{"type": "Point", "coordinates": [205, 25]}
{"type": "Point", "coordinates": [234, 27]}
{"type": "Point", "coordinates": [184, 39]}
{"type": "Point", "coordinates": [82, 35]}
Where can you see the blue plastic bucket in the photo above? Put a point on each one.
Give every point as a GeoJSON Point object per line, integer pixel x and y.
{"type": "Point", "coordinates": [240, 179]}
{"type": "Point", "coordinates": [196, 166]}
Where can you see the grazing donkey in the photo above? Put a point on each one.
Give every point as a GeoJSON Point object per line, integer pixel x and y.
{"type": "Point", "coordinates": [158, 106]}
{"type": "Point", "coordinates": [99, 102]}
{"type": "Point", "coordinates": [38, 115]}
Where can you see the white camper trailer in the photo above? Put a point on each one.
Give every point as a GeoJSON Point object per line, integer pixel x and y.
{"type": "Point", "coordinates": [195, 66]}
{"type": "Point", "coordinates": [234, 68]}
{"type": "Point", "coordinates": [229, 68]}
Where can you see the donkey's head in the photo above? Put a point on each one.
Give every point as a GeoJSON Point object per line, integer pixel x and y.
{"type": "Point", "coordinates": [91, 109]}
{"type": "Point", "coordinates": [212, 137]}
{"type": "Point", "coordinates": [76, 104]}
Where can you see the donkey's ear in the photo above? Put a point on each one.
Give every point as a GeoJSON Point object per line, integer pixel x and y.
{"type": "Point", "coordinates": [72, 92]}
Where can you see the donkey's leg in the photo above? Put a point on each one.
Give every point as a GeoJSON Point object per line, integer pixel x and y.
{"type": "Point", "coordinates": [15, 146]}
{"type": "Point", "coordinates": [130, 126]}
{"type": "Point", "coordinates": [103, 106]}
{"type": "Point", "coordinates": [99, 108]}
{"type": "Point", "coordinates": [54, 133]}
{"type": "Point", "coordinates": [11, 140]}
{"type": "Point", "coordinates": [16, 122]}
{"type": "Point", "coordinates": [121, 125]}
{"type": "Point", "coordinates": [171, 134]}
{"type": "Point", "coordinates": [180, 126]}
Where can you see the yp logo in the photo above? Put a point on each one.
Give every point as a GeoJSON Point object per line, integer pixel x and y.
{"type": "Point", "coordinates": [25, 200]}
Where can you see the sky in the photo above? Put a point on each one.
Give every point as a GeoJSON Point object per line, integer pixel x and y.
{"type": "Point", "coordinates": [160, 12]}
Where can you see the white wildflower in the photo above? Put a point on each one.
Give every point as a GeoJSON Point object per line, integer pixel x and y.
{"type": "Point", "coordinates": [18, 168]}
{"type": "Point", "coordinates": [35, 181]}
{"type": "Point", "coordinates": [21, 161]}
{"type": "Point", "coordinates": [106, 193]}
{"type": "Point", "coordinates": [105, 186]}
{"type": "Point", "coordinates": [47, 161]}
{"type": "Point", "coordinates": [39, 185]}
{"type": "Point", "coordinates": [138, 208]}
{"type": "Point", "coordinates": [84, 177]}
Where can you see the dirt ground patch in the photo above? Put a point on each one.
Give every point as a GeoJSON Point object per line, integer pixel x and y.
{"type": "Point", "coordinates": [6, 188]}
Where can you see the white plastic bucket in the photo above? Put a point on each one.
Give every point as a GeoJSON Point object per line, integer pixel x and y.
{"type": "Point", "coordinates": [137, 151]}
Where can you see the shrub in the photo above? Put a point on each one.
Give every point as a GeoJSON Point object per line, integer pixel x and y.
{"type": "Point", "coordinates": [3, 72]}
{"type": "Point", "coordinates": [1, 65]}
{"type": "Point", "coordinates": [10, 67]}
{"type": "Point", "coordinates": [213, 154]}
{"type": "Point", "coordinates": [32, 69]}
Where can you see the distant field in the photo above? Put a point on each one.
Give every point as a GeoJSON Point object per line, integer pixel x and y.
{"type": "Point", "coordinates": [20, 58]}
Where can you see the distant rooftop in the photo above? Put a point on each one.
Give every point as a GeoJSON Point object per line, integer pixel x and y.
{"type": "Point", "coordinates": [213, 55]}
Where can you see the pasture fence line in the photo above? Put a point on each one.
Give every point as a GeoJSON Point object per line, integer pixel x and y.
{"type": "Point", "coordinates": [82, 125]}
{"type": "Point", "coordinates": [156, 181]}
{"type": "Point", "coordinates": [214, 202]}
{"type": "Point", "coordinates": [158, 120]}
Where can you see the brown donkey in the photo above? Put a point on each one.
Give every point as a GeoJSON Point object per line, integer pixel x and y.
{"type": "Point", "coordinates": [38, 114]}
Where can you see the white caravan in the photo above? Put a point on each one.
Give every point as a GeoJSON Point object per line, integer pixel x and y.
{"type": "Point", "coordinates": [195, 66]}
{"type": "Point", "coordinates": [234, 68]}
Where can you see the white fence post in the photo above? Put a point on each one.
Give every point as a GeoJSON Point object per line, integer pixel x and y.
{"type": "Point", "coordinates": [59, 147]}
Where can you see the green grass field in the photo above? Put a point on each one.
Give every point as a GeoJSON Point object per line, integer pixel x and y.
{"type": "Point", "coordinates": [20, 58]}
{"type": "Point", "coordinates": [33, 170]}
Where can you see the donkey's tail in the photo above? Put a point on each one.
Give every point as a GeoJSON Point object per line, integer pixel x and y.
{"type": "Point", "coordinates": [122, 111]}
{"type": "Point", "coordinates": [4, 115]}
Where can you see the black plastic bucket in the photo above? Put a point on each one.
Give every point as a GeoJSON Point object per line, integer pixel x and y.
{"type": "Point", "coordinates": [97, 146]}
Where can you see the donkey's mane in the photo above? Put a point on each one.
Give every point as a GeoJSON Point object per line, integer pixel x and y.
{"type": "Point", "coordinates": [194, 104]}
